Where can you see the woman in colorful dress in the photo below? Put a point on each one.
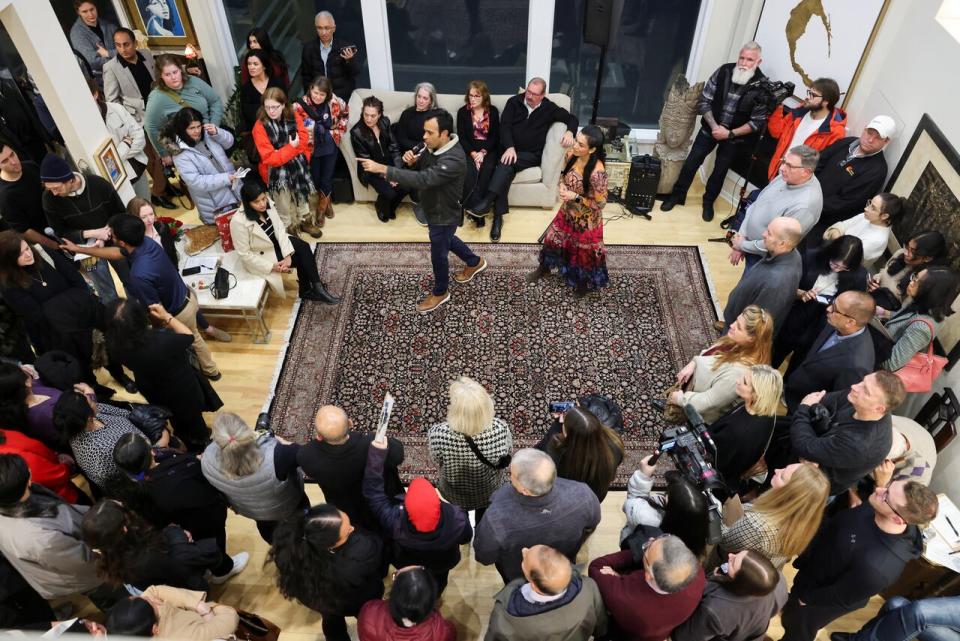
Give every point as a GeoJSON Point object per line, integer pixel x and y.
{"type": "Point", "coordinates": [573, 244]}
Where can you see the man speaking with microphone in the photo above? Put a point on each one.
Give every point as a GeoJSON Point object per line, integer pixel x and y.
{"type": "Point", "coordinates": [438, 173]}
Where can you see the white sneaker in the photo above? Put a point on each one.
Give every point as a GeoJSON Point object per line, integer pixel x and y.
{"type": "Point", "coordinates": [239, 563]}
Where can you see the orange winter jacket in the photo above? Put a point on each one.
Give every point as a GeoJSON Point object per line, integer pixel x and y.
{"type": "Point", "coordinates": [783, 122]}
{"type": "Point", "coordinates": [272, 157]}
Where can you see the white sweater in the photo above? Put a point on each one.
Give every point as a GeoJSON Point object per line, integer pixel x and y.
{"type": "Point", "coordinates": [874, 237]}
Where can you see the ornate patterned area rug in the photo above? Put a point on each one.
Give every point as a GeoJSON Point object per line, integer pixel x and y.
{"type": "Point", "coordinates": [527, 344]}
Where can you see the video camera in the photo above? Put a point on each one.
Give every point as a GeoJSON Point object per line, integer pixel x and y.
{"type": "Point", "coordinates": [774, 91]}
{"type": "Point", "coordinates": [691, 449]}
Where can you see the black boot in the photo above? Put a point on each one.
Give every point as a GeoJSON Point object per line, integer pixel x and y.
{"type": "Point", "coordinates": [496, 228]}
{"type": "Point", "coordinates": [318, 292]}
{"type": "Point", "coordinates": [482, 208]}
{"type": "Point", "coordinates": [383, 208]}
{"type": "Point", "coordinates": [672, 201]}
{"type": "Point", "coordinates": [580, 291]}
{"type": "Point", "coordinates": [479, 221]}
{"type": "Point", "coordinates": [120, 376]}
{"type": "Point", "coordinates": [707, 213]}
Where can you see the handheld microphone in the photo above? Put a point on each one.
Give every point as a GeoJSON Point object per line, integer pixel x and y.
{"type": "Point", "coordinates": [418, 149]}
{"type": "Point", "coordinates": [49, 233]}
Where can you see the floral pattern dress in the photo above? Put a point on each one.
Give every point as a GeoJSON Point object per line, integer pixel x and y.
{"type": "Point", "coordinates": [573, 244]}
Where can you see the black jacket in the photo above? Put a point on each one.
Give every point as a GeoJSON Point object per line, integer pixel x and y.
{"type": "Point", "coordinates": [846, 449]}
{"type": "Point", "coordinates": [465, 131]}
{"type": "Point", "coordinates": [342, 73]}
{"type": "Point", "coordinates": [846, 186]}
{"type": "Point", "coordinates": [359, 568]}
{"type": "Point", "coordinates": [839, 367]}
{"type": "Point", "coordinates": [365, 145]}
{"type": "Point", "coordinates": [181, 565]}
{"type": "Point", "coordinates": [408, 131]}
{"type": "Point", "coordinates": [741, 439]}
{"type": "Point", "coordinates": [438, 176]}
{"type": "Point", "coordinates": [851, 559]}
{"type": "Point", "coordinates": [181, 494]}
{"type": "Point", "coordinates": [528, 132]}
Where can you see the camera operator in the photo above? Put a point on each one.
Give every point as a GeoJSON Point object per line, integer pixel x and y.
{"type": "Point", "coordinates": [816, 123]}
{"type": "Point", "coordinates": [733, 108]}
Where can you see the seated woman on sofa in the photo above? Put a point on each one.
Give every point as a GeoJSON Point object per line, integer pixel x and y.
{"type": "Point", "coordinates": [372, 139]}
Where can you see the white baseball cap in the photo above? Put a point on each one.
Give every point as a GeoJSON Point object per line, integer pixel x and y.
{"type": "Point", "coordinates": [883, 125]}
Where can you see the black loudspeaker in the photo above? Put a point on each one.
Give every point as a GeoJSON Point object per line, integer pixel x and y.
{"type": "Point", "coordinates": [642, 183]}
{"type": "Point", "coordinates": [600, 18]}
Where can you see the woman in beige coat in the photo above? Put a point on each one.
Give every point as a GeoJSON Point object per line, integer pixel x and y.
{"type": "Point", "coordinates": [172, 613]}
{"type": "Point", "coordinates": [711, 377]}
{"type": "Point", "coordinates": [265, 248]}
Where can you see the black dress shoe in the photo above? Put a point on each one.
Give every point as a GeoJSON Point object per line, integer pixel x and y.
{"type": "Point", "coordinates": [162, 201]}
{"type": "Point", "coordinates": [317, 292]}
{"type": "Point", "coordinates": [174, 191]}
{"type": "Point", "coordinates": [707, 214]}
{"type": "Point", "coordinates": [383, 209]}
{"type": "Point", "coordinates": [420, 214]}
{"type": "Point", "coordinates": [496, 228]}
{"type": "Point", "coordinates": [672, 201]}
{"type": "Point", "coordinates": [483, 207]}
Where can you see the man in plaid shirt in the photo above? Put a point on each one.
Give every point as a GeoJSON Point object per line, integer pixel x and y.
{"type": "Point", "coordinates": [732, 110]}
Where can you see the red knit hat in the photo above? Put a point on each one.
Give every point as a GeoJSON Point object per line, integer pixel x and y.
{"type": "Point", "coordinates": [423, 505]}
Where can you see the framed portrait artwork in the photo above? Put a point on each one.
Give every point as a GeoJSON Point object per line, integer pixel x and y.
{"type": "Point", "coordinates": [110, 164]}
{"type": "Point", "coordinates": [164, 22]}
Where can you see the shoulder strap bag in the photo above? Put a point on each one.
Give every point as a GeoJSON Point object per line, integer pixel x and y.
{"type": "Point", "coordinates": [501, 463]}
{"type": "Point", "coordinates": [923, 368]}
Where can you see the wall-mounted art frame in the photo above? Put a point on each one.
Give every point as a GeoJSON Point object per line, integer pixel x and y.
{"type": "Point", "coordinates": [110, 164]}
{"type": "Point", "coordinates": [166, 23]}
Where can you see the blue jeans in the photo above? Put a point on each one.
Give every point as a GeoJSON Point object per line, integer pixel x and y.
{"type": "Point", "coordinates": [443, 240]}
{"type": "Point", "coordinates": [321, 170]}
{"type": "Point", "coordinates": [103, 282]}
{"type": "Point", "coordinates": [935, 619]}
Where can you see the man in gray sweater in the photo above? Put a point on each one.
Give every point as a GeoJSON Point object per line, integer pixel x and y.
{"type": "Point", "coordinates": [772, 283]}
{"type": "Point", "coordinates": [536, 508]}
{"type": "Point", "coordinates": [794, 193]}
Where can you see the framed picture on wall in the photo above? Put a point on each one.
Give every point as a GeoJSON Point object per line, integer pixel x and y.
{"type": "Point", "coordinates": [166, 23]}
{"type": "Point", "coordinates": [110, 164]}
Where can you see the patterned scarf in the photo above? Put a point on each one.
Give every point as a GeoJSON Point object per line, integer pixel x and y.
{"type": "Point", "coordinates": [293, 175]}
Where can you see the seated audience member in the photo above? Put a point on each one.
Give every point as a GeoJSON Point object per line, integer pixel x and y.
{"type": "Point", "coordinates": [152, 280]}
{"type": "Point", "coordinates": [742, 434]}
{"type": "Point", "coordinates": [266, 249]}
{"type": "Point", "coordinates": [328, 565]}
{"type": "Point", "coordinates": [326, 117]}
{"type": "Point", "coordinates": [841, 355]}
{"type": "Point", "coordinates": [647, 597]}
{"type": "Point", "coordinates": [258, 475]}
{"type": "Point", "coordinates": [21, 196]}
{"type": "Point", "coordinates": [926, 620]}
{"type": "Point", "coordinates": [40, 537]}
{"type": "Point", "coordinates": [733, 112]}
{"type": "Point", "coordinates": [172, 613]}
{"type": "Point", "coordinates": [128, 136]}
{"type": "Point", "coordinates": [161, 361]}
{"type": "Point", "coordinates": [852, 170]}
{"type": "Point", "coordinates": [336, 460]}
{"type": "Point", "coordinates": [912, 329]}
{"type": "Point", "coordinates": [424, 530]}
{"type": "Point", "coordinates": [409, 613]}
{"type": "Point", "coordinates": [584, 449]}
{"type": "Point", "coordinates": [179, 493]}
{"type": "Point", "coordinates": [523, 134]}
{"type": "Point", "coordinates": [836, 268]}
{"type": "Point", "coordinates": [858, 553]}
{"type": "Point", "coordinates": [710, 379]}
{"type": "Point", "coordinates": [466, 479]}
{"type": "Point", "coordinates": [371, 138]}
{"type": "Point", "coordinates": [537, 507]}
{"type": "Point", "coordinates": [681, 511]}
{"type": "Point", "coordinates": [46, 468]}
{"type": "Point", "coordinates": [782, 521]}
{"type": "Point", "coordinates": [282, 143]}
{"type": "Point", "coordinates": [873, 227]}
{"type": "Point", "coordinates": [130, 551]}
{"type": "Point", "coordinates": [551, 601]}
{"type": "Point", "coordinates": [408, 131]}
{"type": "Point", "coordinates": [816, 123]}
{"type": "Point", "coordinates": [737, 603]}
{"type": "Point", "coordinates": [91, 430]}
{"type": "Point", "coordinates": [795, 193]}
{"type": "Point", "coordinates": [174, 89]}
{"type": "Point", "coordinates": [772, 283]}
{"type": "Point", "coordinates": [854, 435]}
{"type": "Point", "coordinates": [478, 128]}
{"type": "Point", "coordinates": [258, 39]}
{"type": "Point", "coordinates": [199, 153]}
{"type": "Point", "coordinates": [26, 405]}
{"type": "Point", "coordinates": [889, 285]}
{"type": "Point", "coordinates": [256, 76]}
{"type": "Point", "coordinates": [54, 303]}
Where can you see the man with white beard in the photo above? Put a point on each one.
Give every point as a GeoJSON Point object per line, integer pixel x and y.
{"type": "Point", "coordinates": [732, 111]}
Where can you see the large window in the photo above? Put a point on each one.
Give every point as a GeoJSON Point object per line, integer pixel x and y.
{"type": "Point", "coordinates": [290, 24]}
{"type": "Point", "coordinates": [651, 46]}
{"type": "Point", "coordinates": [451, 42]}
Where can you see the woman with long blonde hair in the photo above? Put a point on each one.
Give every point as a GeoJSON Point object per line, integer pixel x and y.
{"type": "Point", "coordinates": [711, 377]}
{"type": "Point", "coordinates": [781, 523]}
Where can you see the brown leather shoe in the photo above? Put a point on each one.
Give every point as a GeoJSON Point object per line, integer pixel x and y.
{"type": "Point", "coordinates": [719, 325]}
{"type": "Point", "coordinates": [310, 228]}
{"type": "Point", "coordinates": [466, 274]}
{"type": "Point", "coordinates": [432, 302]}
{"type": "Point", "coordinates": [328, 209]}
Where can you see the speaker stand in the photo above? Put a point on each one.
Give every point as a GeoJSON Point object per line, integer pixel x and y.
{"type": "Point", "coordinates": [596, 91]}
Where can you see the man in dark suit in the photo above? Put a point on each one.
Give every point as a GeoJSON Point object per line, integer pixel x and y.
{"type": "Point", "coordinates": [329, 57]}
{"type": "Point", "coordinates": [842, 354]}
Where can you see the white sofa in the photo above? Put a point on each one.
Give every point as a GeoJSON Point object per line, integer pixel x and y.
{"type": "Point", "coordinates": [533, 187]}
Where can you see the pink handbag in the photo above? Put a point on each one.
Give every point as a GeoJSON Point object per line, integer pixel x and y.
{"type": "Point", "coordinates": [922, 369]}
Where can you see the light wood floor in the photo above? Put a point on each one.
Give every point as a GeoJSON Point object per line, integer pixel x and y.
{"type": "Point", "coordinates": [247, 370]}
